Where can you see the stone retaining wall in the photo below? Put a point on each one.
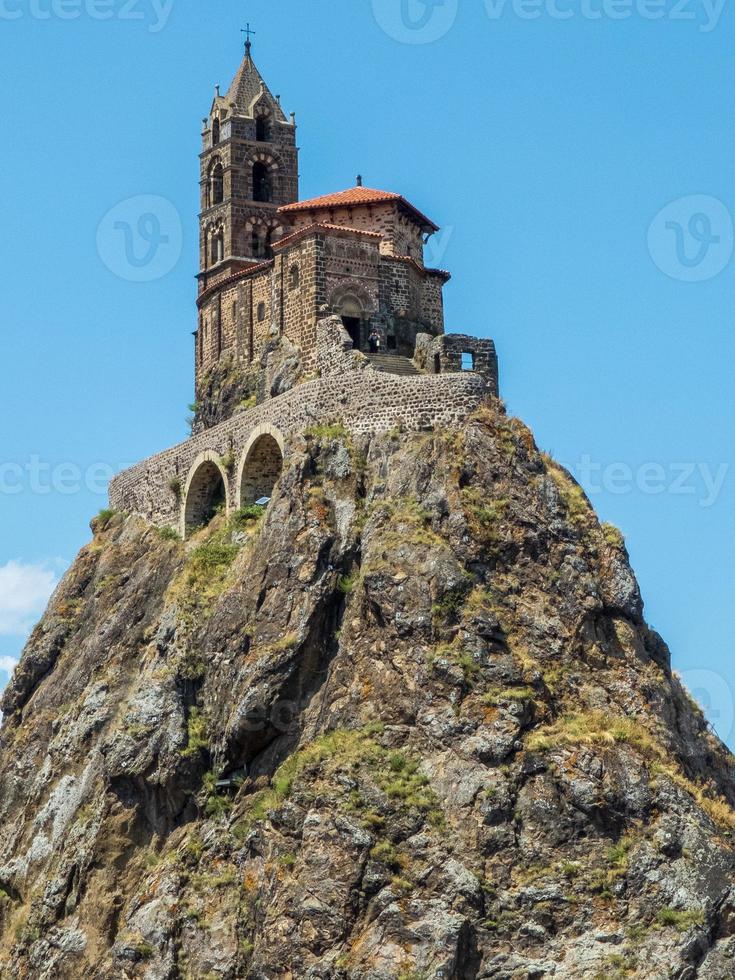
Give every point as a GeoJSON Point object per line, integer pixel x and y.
{"type": "Point", "coordinates": [363, 401]}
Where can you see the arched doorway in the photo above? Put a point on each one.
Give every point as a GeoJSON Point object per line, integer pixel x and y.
{"type": "Point", "coordinates": [261, 466]}
{"type": "Point", "coordinates": [354, 305]}
{"type": "Point", "coordinates": [205, 495]}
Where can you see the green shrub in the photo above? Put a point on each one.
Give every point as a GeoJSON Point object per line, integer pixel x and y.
{"type": "Point", "coordinates": [327, 433]}
{"type": "Point", "coordinates": [680, 920]}
{"type": "Point", "coordinates": [244, 518]}
{"type": "Point", "coordinates": [104, 518]}
{"type": "Point", "coordinates": [385, 853]}
{"type": "Point", "coordinates": [348, 583]}
{"type": "Point", "coordinates": [168, 534]}
{"type": "Point", "coordinates": [613, 536]}
{"type": "Point", "coordinates": [213, 556]}
{"type": "Point", "coordinates": [176, 486]}
{"type": "Point", "coordinates": [196, 728]}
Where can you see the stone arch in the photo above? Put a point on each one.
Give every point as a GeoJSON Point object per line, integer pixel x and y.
{"type": "Point", "coordinates": [206, 490]}
{"type": "Point", "coordinates": [216, 244]}
{"type": "Point", "coordinates": [215, 183]}
{"type": "Point", "coordinates": [267, 159]}
{"type": "Point", "coordinates": [351, 299]}
{"type": "Point", "coordinates": [353, 303]}
{"type": "Point", "coordinates": [259, 235]}
{"type": "Point", "coordinates": [261, 464]}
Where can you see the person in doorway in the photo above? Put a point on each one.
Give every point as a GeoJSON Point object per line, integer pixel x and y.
{"type": "Point", "coordinates": [374, 340]}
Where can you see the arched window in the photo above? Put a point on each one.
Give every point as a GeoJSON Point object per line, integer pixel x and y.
{"type": "Point", "coordinates": [261, 244]}
{"type": "Point", "coordinates": [262, 190]}
{"type": "Point", "coordinates": [263, 129]}
{"type": "Point", "coordinates": [218, 248]}
{"type": "Point", "coordinates": [261, 312]}
{"type": "Point", "coordinates": [215, 132]}
{"type": "Point", "coordinates": [294, 277]}
{"type": "Point", "coordinates": [216, 185]}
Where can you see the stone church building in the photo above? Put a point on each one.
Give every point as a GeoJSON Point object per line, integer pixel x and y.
{"type": "Point", "coordinates": [270, 265]}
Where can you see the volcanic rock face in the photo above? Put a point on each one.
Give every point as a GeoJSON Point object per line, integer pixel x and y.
{"type": "Point", "coordinates": [410, 723]}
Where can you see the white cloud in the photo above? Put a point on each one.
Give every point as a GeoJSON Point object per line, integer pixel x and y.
{"type": "Point", "coordinates": [24, 592]}
{"type": "Point", "coordinates": [8, 664]}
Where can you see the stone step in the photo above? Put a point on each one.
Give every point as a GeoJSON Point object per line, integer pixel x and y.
{"type": "Point", "coordinates": [393, 364]}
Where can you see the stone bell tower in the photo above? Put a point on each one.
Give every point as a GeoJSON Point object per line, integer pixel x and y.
{"type": "Point", "coordinates": [249, 168]}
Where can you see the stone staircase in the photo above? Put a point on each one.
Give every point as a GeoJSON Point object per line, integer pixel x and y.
{"type": "Point", "coordinates": [393, 364]}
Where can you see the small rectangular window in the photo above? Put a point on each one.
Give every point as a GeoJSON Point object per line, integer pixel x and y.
{"type": "Point", "coordinates": [468, 361]}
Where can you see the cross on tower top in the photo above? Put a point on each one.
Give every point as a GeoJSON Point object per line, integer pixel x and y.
{"type": "Point", "coordinates": [248, 31]}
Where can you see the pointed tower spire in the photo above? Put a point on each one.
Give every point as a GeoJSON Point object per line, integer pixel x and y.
{"type": "Point", "coordinates": [248, 87]}
{"type": "Point", "coordinates": [248, 31]}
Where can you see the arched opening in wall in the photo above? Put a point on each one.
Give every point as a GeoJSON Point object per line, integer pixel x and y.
{"type": "Point", "coordinates": [261, 470]}
{"type": "Point", "coordinates": [216, 185]}
{"type": "Point", "coordinates": [261, 243]}
{"type": "Point", "coordinates": [262, 188]}
{"type": "Point", "coordinates": [354, 305]}
{"type": "Point", "coordinates": [218, 248]}
{"type": "Point", "coordinates": [215, 132]}
{"type": "Point", "coordinates": [205, 498]}
{"type": "Point", "coordinates": [352, 314]}
{"type": "Point", "coordinates": [263, 129]}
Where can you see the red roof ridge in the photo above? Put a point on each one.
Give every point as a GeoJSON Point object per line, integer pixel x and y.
{"type": "Point", "coordinates": [356, 197]}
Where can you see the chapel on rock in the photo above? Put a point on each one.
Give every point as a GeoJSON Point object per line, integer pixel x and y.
{"type": "Point", "coordinates": [271, 266]}
{"type": "Point", "coordinates": [309, 312]}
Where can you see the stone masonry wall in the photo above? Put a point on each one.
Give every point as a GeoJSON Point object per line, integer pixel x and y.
{"type": "Point", "coordinates": [443, 355]}
{"type": "Point", "coordinates": [363, 400]}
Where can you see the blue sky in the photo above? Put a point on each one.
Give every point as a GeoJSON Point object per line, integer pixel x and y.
{"type": "Point", "coordinates": [577, 154]}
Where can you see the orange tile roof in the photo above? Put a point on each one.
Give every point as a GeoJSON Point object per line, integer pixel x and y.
{"type": "Point", "coordinates": [357, 197]}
